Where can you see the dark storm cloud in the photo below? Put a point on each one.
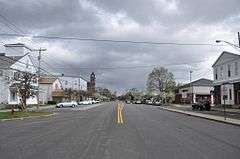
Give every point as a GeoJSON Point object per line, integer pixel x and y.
{"type": "Point", "coordinates": [183, 21]}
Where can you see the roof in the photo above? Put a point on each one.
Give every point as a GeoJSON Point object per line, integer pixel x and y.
{"type": "Point", "coordinates": [7, 61]}
{"type": "Point", "coordinates": [47, 80]}
{"type": "Point", "coordinates": [199, 82]}
{"type": "Point", "coordinates": [224, 52]}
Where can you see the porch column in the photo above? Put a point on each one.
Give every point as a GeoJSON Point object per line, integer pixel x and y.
{"type": "Point", "coordinates": [212, 99]}
{"type": "Point", "coordinates": [194, 98]}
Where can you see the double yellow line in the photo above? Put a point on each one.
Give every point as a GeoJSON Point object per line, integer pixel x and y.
{"type": "Point", "coordinates": [120, 113]}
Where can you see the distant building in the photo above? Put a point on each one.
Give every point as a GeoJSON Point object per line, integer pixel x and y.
{"type": "Point", "coordinates": [73, 83]}
{"type": "Point", "coordinates": [16, 58]}
{"type": "Point", "coordinates": [75, 88]}
{"type": "Point", "coordinates": [226, 72]}
{"type": "Point", "coordinates": [91, 85]}
{"type": "Point", "coordinates": [195, 91]}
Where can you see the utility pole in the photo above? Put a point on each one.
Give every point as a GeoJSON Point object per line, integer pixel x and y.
{"type": "Point", "coordinates": [191, 87]}
{"type": "Point", "coordinates": [239, 39]}
{"type": "Point", "coordinates": [39, 72]}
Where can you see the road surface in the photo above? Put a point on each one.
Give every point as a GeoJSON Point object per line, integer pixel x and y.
{"type": "Point", "coordinates": [145, 133]}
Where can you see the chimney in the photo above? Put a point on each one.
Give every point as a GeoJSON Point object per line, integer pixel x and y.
{"type": "Point", "coordinates": [18, 49]}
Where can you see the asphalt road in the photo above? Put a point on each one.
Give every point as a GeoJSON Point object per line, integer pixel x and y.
{"type": "Point", "coordinates": [146, 133]}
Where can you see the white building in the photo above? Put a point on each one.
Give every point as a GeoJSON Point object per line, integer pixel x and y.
{"type": "Point", "coordinates": [50, 89]}
{"type": "Point", "coordinates": [16, 58]}
{"type": "Point", "coordinates": [227, 79]}
{"type": "Point", "coordinates": [196, 91]}
{"type": "Point", "coordinates": [74, 83]}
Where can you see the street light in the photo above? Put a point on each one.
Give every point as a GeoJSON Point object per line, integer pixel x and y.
{"type": "Point", "coordinates": [233, 45]}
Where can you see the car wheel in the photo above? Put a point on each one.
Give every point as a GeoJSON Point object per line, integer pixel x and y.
{"type": "Point", "coordinates": [73, 105]}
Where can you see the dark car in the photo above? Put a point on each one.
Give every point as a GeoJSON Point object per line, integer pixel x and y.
{"type": "Point", "coordinates": [205, 105]}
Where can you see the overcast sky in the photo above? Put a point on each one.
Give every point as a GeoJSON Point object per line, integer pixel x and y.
{"type": "Point", "coordinates": [180, 21]}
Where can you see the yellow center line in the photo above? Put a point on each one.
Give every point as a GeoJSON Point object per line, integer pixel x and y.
{"type": "Point", "coordinates": [119, 113]}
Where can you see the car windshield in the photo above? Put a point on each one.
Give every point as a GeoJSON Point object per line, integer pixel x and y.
{"type": "Point", "coordinates": [119, 79]}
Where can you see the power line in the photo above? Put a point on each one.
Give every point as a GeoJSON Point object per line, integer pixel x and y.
{"type": "Point", "coordinates": [8, 26]}
{"type": "Point", "coordinates": [107, 40]}
{"type": "Point", "coordinates": [11, 23]}
{"type": "Point", "coordinates": [127, 67]}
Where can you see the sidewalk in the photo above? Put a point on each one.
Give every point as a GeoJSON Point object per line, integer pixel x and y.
{"type": "Point", "coordinates": [205, 116]}
{"type": "Point", "coordinates": [228, 110]}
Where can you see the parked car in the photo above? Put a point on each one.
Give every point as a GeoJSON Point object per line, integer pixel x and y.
{"type": "Point", "coordinates": [67, 104]}
{"type": "Point", "coordinates": [138, 102]}
{"type": "Point", "coordinates": [149, 102]}
{"type": "Point", "coordinates": [157, 102]}
{"type": "Point", "coordinates": [95, 101]}
{"type": "Point", "coordinates": [128, 101]}
{"type": "Point", "coordinates": [86, 102]}
{"type": "Point", "coordinates": [204, 105]}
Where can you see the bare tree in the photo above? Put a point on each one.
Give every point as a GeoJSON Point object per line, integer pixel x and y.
{"type": "Point", "coordinates": [23, 83]}
{"type": "Point", "coordinates": [160, 82]}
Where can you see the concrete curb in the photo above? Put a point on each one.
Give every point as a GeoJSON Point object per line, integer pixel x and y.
{"type": "Point", "coordinates": [29, 117]}
{"type": "Point", "coordinates": [205, 116]}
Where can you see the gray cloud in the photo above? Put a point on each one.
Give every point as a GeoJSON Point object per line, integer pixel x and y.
{"type": "Point", "coordinates": [183, 21]}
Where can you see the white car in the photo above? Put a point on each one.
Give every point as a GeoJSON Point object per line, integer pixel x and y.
{"type": "Point", "coordinates": [67, 104]}
{"type": "Point", "coordinates": [95, 101]}
{"type": "Point", "coordinates": [85, 102]}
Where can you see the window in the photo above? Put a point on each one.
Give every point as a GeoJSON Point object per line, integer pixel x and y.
{"type": "Point", "coordinates": [56, 86]}
{"type": "Point", "coordinates": [230, 94]}
{"type": "Point", "coordinates": [229, 70]}
{"type": "Point", "coordinates": [13, 96]}
{"type": "Point", "coordinates": [216, 74]}
{"type": "Point", "coordinates": [66, 82]}
{"type": "Point", "coordinates": [236, 68]}
{"type": "Point", "coordinates": [27, 63]}
{"type": "Point", "coordinates": [221, 71]}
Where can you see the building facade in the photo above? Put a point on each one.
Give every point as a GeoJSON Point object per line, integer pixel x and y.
{"type": "Point", "coordinates": [15, 59]}
{"type": "Point", "coordinates": [50, 90]}
{"type": "Point", "coordinates": [227, 79]}
{"type": "Point", "coordinates": [195, 91]}
{"type": "Point", "coordinates": [75, 88]}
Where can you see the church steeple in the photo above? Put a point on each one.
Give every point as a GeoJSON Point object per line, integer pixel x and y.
{"type": "Point", "coordinates": [92, 77]}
